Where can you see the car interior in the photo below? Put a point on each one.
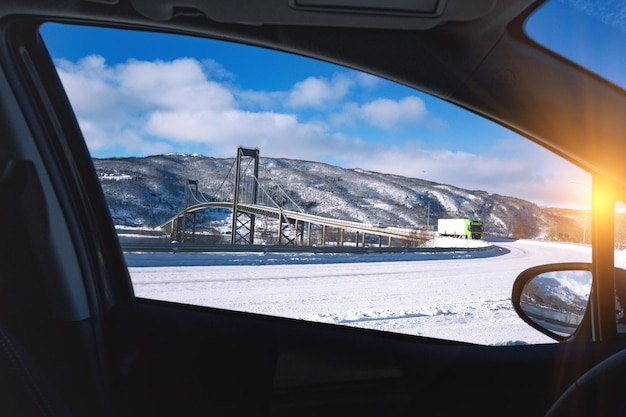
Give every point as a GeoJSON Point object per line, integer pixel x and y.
{"type": "Point", "coordinates": [77, 342]}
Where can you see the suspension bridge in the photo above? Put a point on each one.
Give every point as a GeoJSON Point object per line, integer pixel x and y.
{"type": "Point", "coordinates": [251, 200]}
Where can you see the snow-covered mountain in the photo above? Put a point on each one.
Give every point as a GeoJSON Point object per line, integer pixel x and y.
{"type": "Point", "coordinates": [558, 294]}
{"type": "Point", "coordinates": [145, 192]}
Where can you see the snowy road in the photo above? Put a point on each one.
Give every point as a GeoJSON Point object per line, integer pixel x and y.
{"type": "Point", "coordinates": [456, 296]}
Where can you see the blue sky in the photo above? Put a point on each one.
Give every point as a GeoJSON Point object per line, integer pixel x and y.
{"type": "Point", "coordinates": [138, 94]}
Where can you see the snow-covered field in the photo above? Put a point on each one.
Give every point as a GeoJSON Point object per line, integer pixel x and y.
{"type": "Point", "coordinates": [456, 295]}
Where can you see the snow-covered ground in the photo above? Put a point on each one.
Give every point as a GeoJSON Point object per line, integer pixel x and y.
{"type": "Point", "coordinates": [455, 295]}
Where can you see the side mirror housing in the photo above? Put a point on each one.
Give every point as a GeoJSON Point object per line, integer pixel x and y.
{"type": "Point", "coordinates": [553, 298]}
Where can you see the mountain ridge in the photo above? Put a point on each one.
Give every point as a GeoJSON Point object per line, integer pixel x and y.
{"type": "Point", "coordinates": [146, 191]}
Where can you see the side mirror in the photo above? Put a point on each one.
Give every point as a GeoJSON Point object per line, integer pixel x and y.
{"type": "Point", "coordinates": [553, 298]}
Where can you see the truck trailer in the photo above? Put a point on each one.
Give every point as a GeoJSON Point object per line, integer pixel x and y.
{"type": "Point", "coordinates": [460, 228]}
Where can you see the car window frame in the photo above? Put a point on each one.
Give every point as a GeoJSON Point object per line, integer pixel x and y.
{"type": "Point", "coordinates": [122, 280]}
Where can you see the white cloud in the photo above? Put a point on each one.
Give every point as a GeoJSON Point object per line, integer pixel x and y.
{"type": "Point", "coordinates": [318, 92]}
{"type": "Point", "coordinates": [143, 108]}
{"type": "Point", "coordinates": [529, 171]}
{"type": "Point", "coordinates": [102, 139]}
{"type": "Point", "coordinates": [88, 83]}
{"type": "Point", "coordinates": [215, 70]}
{"type": "Point", "coordinates": [178, 84]}
{"type": "Point", "coordinates": [388, 114]}
{"type": "Point", "coordinates": [367, 80]}
{"type": "Point", "coordinates": [260, 99]}
{"type": "Point", "coordinates": [230, 126]}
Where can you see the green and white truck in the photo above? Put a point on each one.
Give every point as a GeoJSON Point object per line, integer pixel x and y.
{"type": "Point", "coordinates": [460, 228]}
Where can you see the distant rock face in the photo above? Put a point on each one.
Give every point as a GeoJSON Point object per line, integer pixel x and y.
{"type": "Point", "coordinates": [147, 191]}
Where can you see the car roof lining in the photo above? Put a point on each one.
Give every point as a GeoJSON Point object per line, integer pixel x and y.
{"type": "Point", "coordinates": [382, 14]}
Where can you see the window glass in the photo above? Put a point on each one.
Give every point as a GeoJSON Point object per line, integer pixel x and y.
{"type": "Point", "coordinates": [582, 31]}
{"type": "Point", "coordinates": [252, 180]}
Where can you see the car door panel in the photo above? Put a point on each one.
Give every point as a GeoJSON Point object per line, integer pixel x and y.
{"type": "Point", "coordinates": [185, 360]}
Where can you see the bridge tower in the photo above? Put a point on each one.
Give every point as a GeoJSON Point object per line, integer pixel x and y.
{"type": "Point", "coordinates": [194, 184]}
{"type": "Point", "coordinates": [179, 225]}
{"type": "Point", "coordinates": [243, 223]}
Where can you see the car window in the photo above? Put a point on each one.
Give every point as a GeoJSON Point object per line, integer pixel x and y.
{"type": "Point", "coordinates": [248, 179]}
{"type": "Point", "coordinates": [600, 27]}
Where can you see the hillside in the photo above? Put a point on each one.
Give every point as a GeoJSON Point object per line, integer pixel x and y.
{"type": "Point", "coordinates": [145, 192]}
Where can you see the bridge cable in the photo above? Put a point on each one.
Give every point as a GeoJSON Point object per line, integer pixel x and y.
{"type": "Point", "coordinates": [282, 213]}
{"type": "Point", "coordinates": [225, 178]}
{"type": "Point", "coordinates": [286, 195]}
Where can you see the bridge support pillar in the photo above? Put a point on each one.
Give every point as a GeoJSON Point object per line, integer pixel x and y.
{"type": "Point", "coordinates": [283, 230]}
{"type": "Point", "coordinates": [300, 231]}
{"type": "Point", "coordinates": [243, 223]}
{"type": "Point", "coordinates": [183, 222]}
{"type": "Point", "coordinates": [177, 232]}
{"type": "Point", "coordinates": [362, 234]}
{"type": "Point", "coordinates": [290, 231]}
{"type": "Point", "coordinates": [244, 230]}
{"type": "Point", "coordinates": [174, 232]}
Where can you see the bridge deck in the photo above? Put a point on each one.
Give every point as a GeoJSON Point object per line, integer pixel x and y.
{"type": "Point", "coordinates": [256, 209]}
